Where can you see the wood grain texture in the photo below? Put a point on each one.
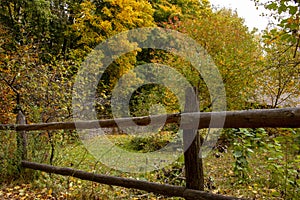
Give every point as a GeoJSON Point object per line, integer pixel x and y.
{"type": "Point", "coordinates": [279, 118]}
{"type": "Point", "coordinates": [164, 189]}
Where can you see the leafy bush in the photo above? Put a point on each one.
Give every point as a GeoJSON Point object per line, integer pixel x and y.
{"type": "Point", "coordinates": [243, 142]}
{"type": "Point", "coordinates": [283, 164]}
{"type": "Point", "coordinates": [8, 155]}
{"type": "Point", "coordinates": [281, 147]}
{"type": "Point", "coordinates": [151, 143]}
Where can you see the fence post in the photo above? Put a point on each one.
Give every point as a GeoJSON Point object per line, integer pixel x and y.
{"type": "Point", "coordinates": [21, 137]}
{"type": "Point", "coordinates": [191, 145]}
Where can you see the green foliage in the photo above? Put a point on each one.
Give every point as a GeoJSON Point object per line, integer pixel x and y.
{"type": "Point", "coordinates": [173, 174]}
{"type": "Point", "coordinates": [43, 43]}
{"type": "Point", "coordinates": [283, 163]}
{"type": "Point", "coordinates": [150, 143]}
{"type": "Point", "coordinates": [143, 100]}
{"type": "Point", "coordinates": [8, 156]}
{"type": "Point", "coordinates": [281, 155]}
{"type": "Point", "coordinates": [267, 167]}
{"type": "Point", "coordinates": [286, 19]}
{"type": "Point", "coordinates": [279, 77]}
{"type": "Point", "coordinates": [233, 49]}
{"type": "Point", "coordinates": [244, 142]}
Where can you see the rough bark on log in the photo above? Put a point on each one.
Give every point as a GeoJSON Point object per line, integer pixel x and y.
{"type": "Point", "coordinates": [279, 118]}
{"type": "Point", "coordinates": [168, 190]}
{"type": "Point", "coordinates": [21, 137]}
{"type": "Point", "coordinates": [192, 144]}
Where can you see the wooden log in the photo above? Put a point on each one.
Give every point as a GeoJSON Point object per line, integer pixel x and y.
{"type": "Point", "coordinates": [21, 137]}
{"type": "Point", "coordinates": [163, 189]}
{"type": "Point", "coordinates": [108, 123]}
{"type": "Point", "coordinates": [191, 145]}
{"type": "Point", "coordinates": [273, 118]}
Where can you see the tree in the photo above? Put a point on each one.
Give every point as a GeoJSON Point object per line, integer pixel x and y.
{"type": "Point", "coordinates": [287, 21]}
{"type": "Point", "coordinates": [279, 78]}
{"type": "Point", "coordinates": [96, 21]}
{"type": "Point", "coordinates": [30, 73]}
{"type": "Point", "coordinates": [233, 48]}
{"type": "Point", "coordinates": [166, 10]}
{"type": "Point", "coordinates": [99, 20]}
{"type": "Point", "coordinates": [280, 74]}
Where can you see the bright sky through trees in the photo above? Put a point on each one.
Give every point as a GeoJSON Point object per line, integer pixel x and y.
{"type": "Point", "coordinates": [245, 9]}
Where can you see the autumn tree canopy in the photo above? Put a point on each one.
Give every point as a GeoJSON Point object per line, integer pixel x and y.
{"type": "Point", "coordinates": [43, 43]}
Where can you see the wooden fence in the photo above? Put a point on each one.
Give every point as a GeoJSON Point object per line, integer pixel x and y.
{"type": "Point", "coordinates": [279, 118]}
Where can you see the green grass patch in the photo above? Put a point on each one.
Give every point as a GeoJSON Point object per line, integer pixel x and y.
{"type": "Point", "coordinates": [272, 171]}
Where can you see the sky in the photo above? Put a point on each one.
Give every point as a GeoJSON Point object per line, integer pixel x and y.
{"type": "Point", "coordinates": [246, 9]}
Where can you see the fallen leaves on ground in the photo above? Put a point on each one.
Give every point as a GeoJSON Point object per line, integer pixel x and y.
{"type": "Point", "coordinates": [25, 191]}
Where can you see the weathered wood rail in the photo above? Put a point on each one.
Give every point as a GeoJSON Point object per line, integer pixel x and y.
{"type": "Point", "coordinates": [273, 118]}
{"type": "Point", "coordinates": [163, 189]}
{"type": "Point", "coordinates": [276, 118]}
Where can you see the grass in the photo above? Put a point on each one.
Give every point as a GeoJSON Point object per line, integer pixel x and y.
{"type": "Point", "coordinates": [218, 167]}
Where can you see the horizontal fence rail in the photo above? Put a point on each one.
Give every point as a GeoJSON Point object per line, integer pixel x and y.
{"type": "Point", "coordinates": [280, 118]}
{"type": "Point", "coordinates": [164, 189]}
{"type": "Point", "coordinates": [274, 118]}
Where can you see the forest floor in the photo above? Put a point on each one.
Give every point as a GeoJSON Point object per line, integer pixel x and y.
{"type": "Point", "coordinates": [220, 178]}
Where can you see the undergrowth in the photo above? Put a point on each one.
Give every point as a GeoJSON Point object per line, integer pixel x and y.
{"type": "Point", "coordinates": [250, 163]}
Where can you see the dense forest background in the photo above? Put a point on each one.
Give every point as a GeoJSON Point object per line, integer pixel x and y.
{"type": "Point", "coordinates": [44, 42]}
